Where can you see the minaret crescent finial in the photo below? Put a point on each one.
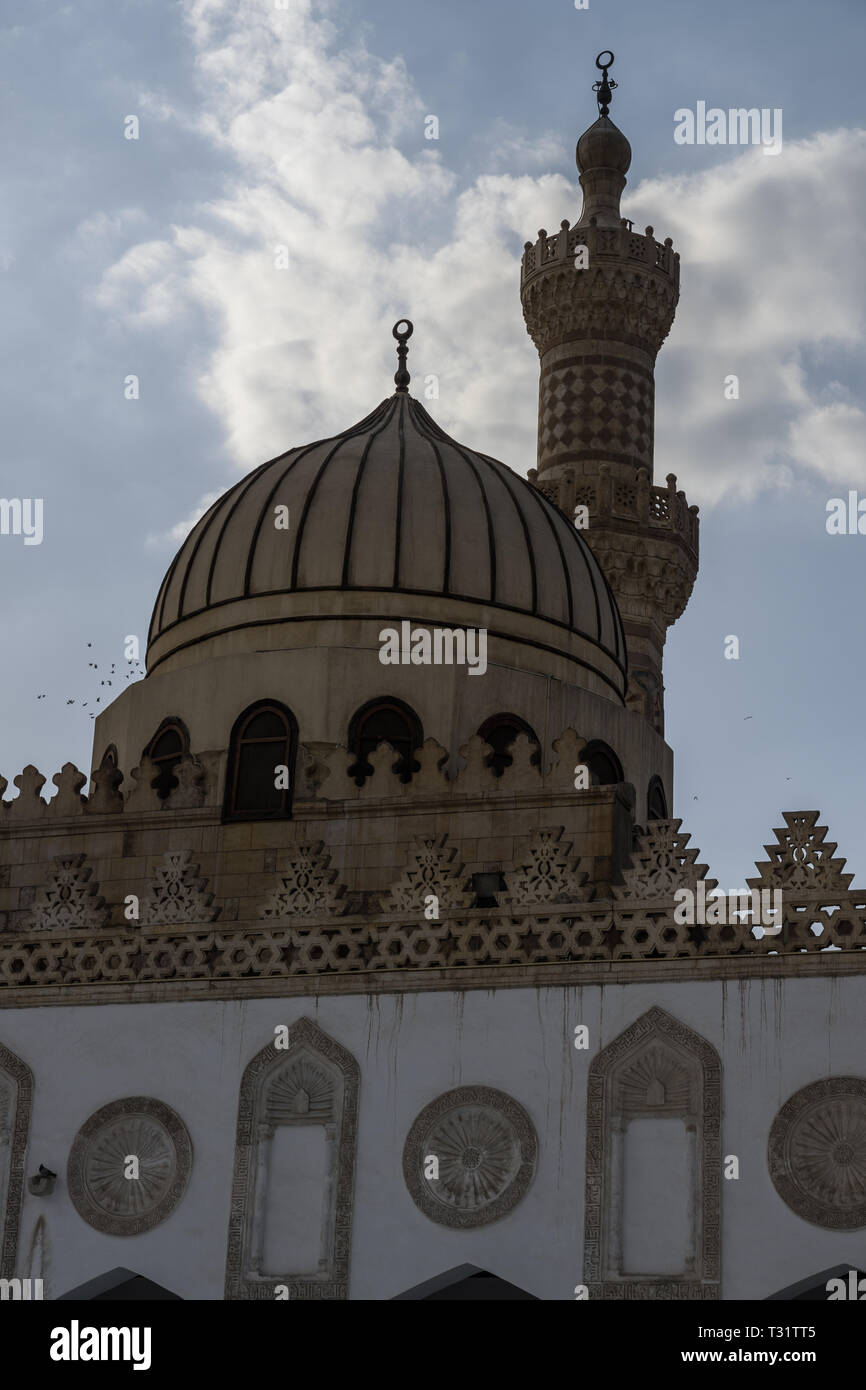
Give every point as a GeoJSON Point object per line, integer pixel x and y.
{"type": "Point", "coordinates": [605, 87]}
{"type": "Point", "coordinates": [402, 330]}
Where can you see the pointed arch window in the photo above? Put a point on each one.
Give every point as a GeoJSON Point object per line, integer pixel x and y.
{"type": "Point", "coordinates": [169, 744]}
{"type": "Point", "coordinates": [605, 768]}
{"type": "Point", "coordinates": [386, 720]}
{"type": "Point", "coordinates": [656, 801]}
{"type": "Point", "coordinates": [264, 741]}
{"type": "Point", "coordinates": [653, 1098]}
{"type": "Point", "coordinates": [500, 731]}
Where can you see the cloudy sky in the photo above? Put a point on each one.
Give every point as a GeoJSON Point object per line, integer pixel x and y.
{"type": "Point", "coordinates": [304, 127]}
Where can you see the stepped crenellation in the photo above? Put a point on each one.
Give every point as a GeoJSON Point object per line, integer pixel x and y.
{"type": "Point", "coordinates": [325, 776]}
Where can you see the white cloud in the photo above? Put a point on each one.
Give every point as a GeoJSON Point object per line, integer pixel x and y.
{"type": "Point", "coordinates": [178, 533]}
{"type": "Point", "coordinates": [771, 269]}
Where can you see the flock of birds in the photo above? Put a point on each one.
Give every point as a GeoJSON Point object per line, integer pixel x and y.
{"type": "Point", "coordinates": [135, 672]}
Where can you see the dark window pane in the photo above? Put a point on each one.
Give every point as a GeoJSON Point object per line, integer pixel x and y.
{"type": "Point", "coordinates": [257, 764]}
{"type": "Point", "coordinates": [268, 724]}
{"type": "Point", "coordinates": [169, 744]}
{"type": "Point", "coordinates": [603, 769]}
{"type": "Point", "coordinates": [385, 725]}
{"type": "Point", "coordinates": [657, 806]}
{"type": "Point", "coordinates": [384, 722]}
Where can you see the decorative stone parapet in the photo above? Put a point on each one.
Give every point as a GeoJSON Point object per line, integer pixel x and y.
{"type": "Point", "coordinates": [548, 919]}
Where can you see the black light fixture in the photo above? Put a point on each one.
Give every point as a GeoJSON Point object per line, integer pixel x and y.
{"type": "Point", "coordinates": [42, 1183]}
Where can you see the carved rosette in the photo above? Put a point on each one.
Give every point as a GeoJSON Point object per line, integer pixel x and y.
{"type": "Point", "coordinates": [486, 1148]}
{"type": "Point", "coordinates": [817, 1153]}
{"type": "Point", "coordinates": [101, 1192]}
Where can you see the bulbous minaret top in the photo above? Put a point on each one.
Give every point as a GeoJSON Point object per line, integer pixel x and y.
{"type": "Point", "coordinates": [603, 159]}
{"type": "Point", "coordinates": [599, 299]}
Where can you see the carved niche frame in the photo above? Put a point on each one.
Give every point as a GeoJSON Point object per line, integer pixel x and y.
{"type": "Point", "coordinates": [245, 1277]}
{"type": "Point", "coordinates": [15, 1135]}
{"type": "Point", "coordinates": [608, 1112]}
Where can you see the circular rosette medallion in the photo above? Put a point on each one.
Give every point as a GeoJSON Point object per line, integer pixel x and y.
{"type": "Point", "coordinates": [129, 1166]}
{"type": "Point", "coordinates": [470, 1156]}
{"type": "Point", "coordinates": [817, 1153]}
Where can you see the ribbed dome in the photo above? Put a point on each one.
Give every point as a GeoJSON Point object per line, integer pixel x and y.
{"type": "Point", "coordinates": [392, 504]}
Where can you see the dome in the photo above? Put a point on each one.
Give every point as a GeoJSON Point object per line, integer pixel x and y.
{"type": "Point", "coordinates": [603, 146]}
{"type": "Point", "coordinates": [391, 515]}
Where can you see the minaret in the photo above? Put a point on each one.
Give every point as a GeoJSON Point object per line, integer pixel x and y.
{"type": "Point", "coordinates": [598, 317]}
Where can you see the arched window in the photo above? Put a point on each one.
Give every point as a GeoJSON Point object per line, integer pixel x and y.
{"type": "Point", "coordinates": [500, 731]}
{"type": "Point", "coordinates": [109, 757]}
{"type": "Point", "coordinates": [264, 740]}
{"type": "Point", "coordinates": [169, 744]}
{"type": "Point", "coordinates": [605, 768]}
{"type": "Point", "coordinates": [656, 801]}
{"type": "Point", "coordinates": [384, 721]}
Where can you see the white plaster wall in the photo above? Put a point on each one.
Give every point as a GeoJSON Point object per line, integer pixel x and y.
{"type": "Point", "coordinates": [773, 1037]}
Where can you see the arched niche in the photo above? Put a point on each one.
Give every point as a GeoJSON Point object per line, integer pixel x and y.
{"type": "Point", "coordinates": [466, 1284]}
{"type": "Point", "coordinates": [16, 1096]}
{"type": "Point", "coordinates": [291, 1212]}
{"type": "Point", "coordinates": [653, 1164]}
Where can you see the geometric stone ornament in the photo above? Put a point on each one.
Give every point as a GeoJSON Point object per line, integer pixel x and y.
{"type": "Point", "coordinates": [549, 875]}
{"type": "Point", "coordinates": [175, 894]}
{"type": "Point", "coordinates": [312, 1081]}
{"type": "Point", "coordinates": [661, 864]}
{"type": "Point", "coordinates": [432, 871]}
{"type": "Point", "coordinates": [657, 1069]}
{"type": "Point", "coordinates": [817, 1153]}
{"type": "Point", "coordinates": [802, 861]}
{"type": "Point", "coordinates": [16, 1095]}
{"type": "Point", "coordinates": [70, 901]}
{"type": "Point", "coordinates": [486, 1147]}
{"type": "Point", "coordinates": [96, 1177]}
{"type": "Point", "coordinates": [307, 886]}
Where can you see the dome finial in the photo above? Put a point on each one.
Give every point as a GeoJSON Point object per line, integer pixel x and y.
{"type": "Point", "coordinates": [402, 330]}
{"type": "Point", "coordinates": [604, 88]}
